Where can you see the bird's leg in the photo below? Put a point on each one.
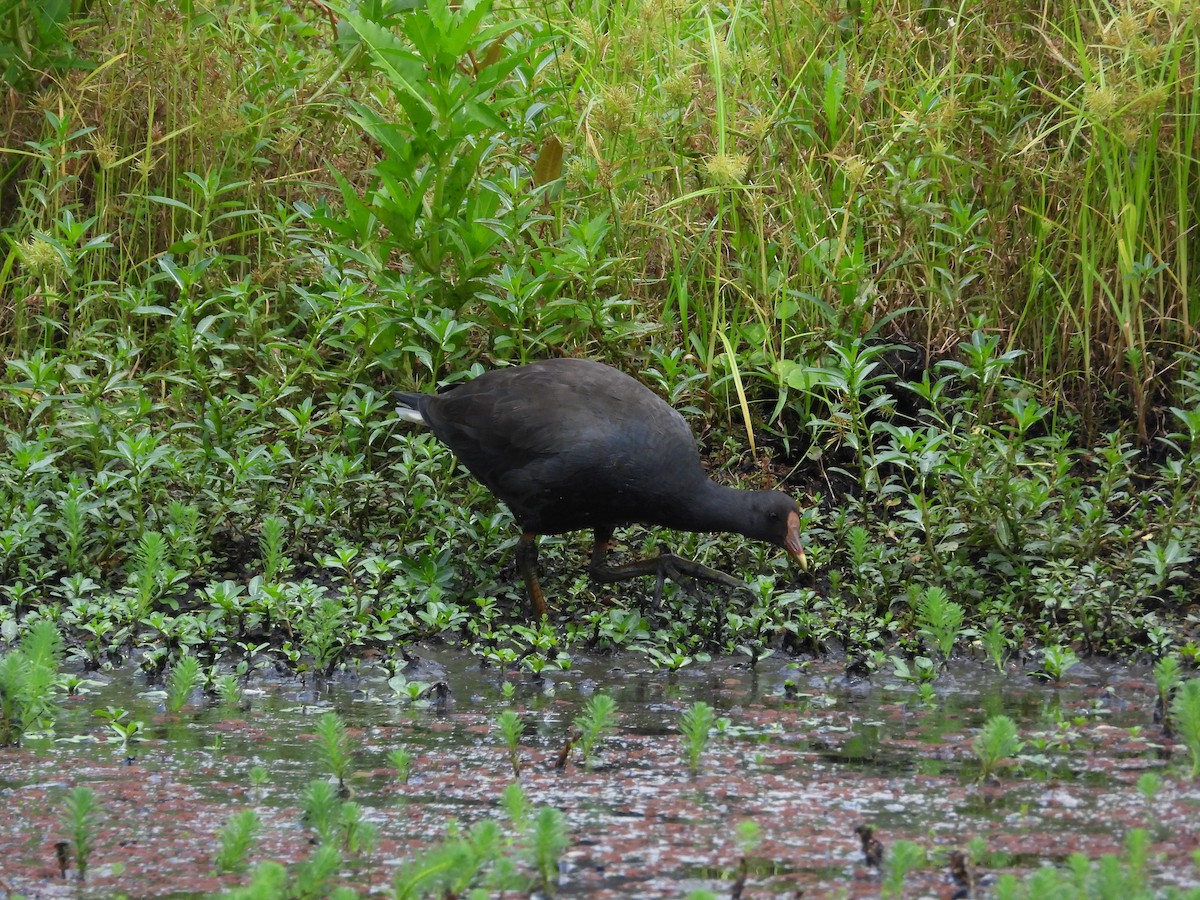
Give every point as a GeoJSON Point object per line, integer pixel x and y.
{"type": "Point", "coordinates": [527, 555]}
{"type": "Point", "coordinates": [663, 566]}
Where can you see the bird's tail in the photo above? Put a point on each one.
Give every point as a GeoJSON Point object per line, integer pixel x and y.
{"type": "Point", "coordinates": [409, 407]}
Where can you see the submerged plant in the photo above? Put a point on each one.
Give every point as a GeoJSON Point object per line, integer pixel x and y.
{"type": "Point", "coordinates": [127, 732]}
{"type": "Point", "coordinates": [1149, 784]}
{"type": "Point", "coordinates": [314, 874]}
{"type": "Point", "coordinates": [450, 868]}
{"type": "Point", "coordinates": [995, 643]}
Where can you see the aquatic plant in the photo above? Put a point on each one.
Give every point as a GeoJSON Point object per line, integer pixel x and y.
{"type": "Point", "coordinates": [401, 760]}
{"type": "Point", "coordinates": [1185, 715]}
{"type": "Point", "coordinates": [548, 839]}
{"type": "Point", "coordinates": [336, 746]}
{"type": "Point", "coordinates": [1111, 875]}
{"type": "Point", "coordinates": [236, 840]}
{"type": "Point", "coordinates": [321, 808]}
{"type": "Point", "coordinates": [594, 723]}
{"type": "Point", "coordinates": [996, 742]}
{"type": "Point", "coordinates": [995, 643]}
{"type": "Point", "coordinates": [272, 544]}
{"type": "Point", "coordinates": [81, 819]}
{"type": "Point", "coordinates": [127, 732]}
{"type": "Point", "coordinates": [1056, 660]}
{"type": "Point", "coordinates": [311, 879]}
{"type": "Point", "coordinates": [1168, 674]}
{"type": "Point", "coordinates": [358, 835]}
{"type": "Point", "coordinates": [920, 671]}
{"type": "Point", "coordinates": [228, 689]}
{"type": "Point", "coordinates": [902, 858]}
{"type": "Point", "coordinates": [183, 679]}
{"type": "Point", "coordinates": [696, 725]}
{"type": "Point", "coordinates": [939, 619]}
{"type": "Point", "coordinates": [511, 728]}
{"type": "Point", "coordinates": [516, 805]}
{"type": "Point", "coordinates": [1149, 784]}
{"type": "Point", "coordinates": [29, 683]}
{"type": "Point", "coordinates": [451, 867]}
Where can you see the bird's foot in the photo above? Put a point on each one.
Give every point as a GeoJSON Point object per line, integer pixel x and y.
{"type": "Point", "coordinates": [663, 566]}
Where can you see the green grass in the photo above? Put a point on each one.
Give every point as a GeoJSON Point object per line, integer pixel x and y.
{"type": "Point", "coordinates": [225, 243]}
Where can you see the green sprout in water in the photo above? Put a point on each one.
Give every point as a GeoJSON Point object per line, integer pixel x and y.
{"type": "Point", "coordinates": [939, 620]}
{"type": "Point", "coordinates": [29, 683]}
{"type": "Point", "coordinates": [749, 837]}
{"type": "Point", "coordinates": [126, 732]}
{"type": "Point", "coordinates": [313, 876]}
{"type": "Point", "coordinates": [696, 724]}
{"type": "Point", "coordinates": [82, 821]}
{"type": "Point", "coordinates": [904, 857]}
{"type": "Point", "coordinates": [548, 840]}
{"type": "Point", "coordinates": [184, 678]}
{"type": "Point", "coordinates": [1149, 784]}
{"type": "Point", "coordinates": [229, 691]}
{"type": "Point", "coordinates": [1168, 674]}
{"type": "Point", "coordinates": [594, 723]}
{"type": "Point", "coordinates": [516, 804]}
{"type": "Point", "coordinates": [321, 806]}
{"type": "Point", "coordinates": [1185, 715]}
{"type": "Point", "coordinates": [996, 742]}
{"type": "Point", "coordinates": [511, 727]}
{"type": "Point", "coordinates": [336, 746]}
{"type": "Point", "coordinates": [358, 835]}
{"type": "Point", "coordinates": [237, 837]}
{"type": "Point", "coordinates": [401, 759]}
{"type": "Point", "coordinates": [1056, 661]}
{"type": "Point", "coordinates": [995, 642]}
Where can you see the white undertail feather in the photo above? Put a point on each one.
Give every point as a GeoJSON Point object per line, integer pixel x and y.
{"type": "Point", "coordinates": [408, 414]}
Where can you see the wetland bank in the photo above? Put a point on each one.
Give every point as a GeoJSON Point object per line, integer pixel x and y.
{"type": "Point", "coordinates": [929, 270]}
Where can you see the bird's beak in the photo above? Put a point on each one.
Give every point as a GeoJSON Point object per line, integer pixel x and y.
{"type": "Point", "coordinates": [792, 541]}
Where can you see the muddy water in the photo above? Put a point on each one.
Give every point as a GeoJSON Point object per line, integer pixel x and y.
{"type": "Point", "coordinates": [807, 763]}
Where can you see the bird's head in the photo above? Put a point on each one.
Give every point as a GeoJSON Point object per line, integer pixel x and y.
{"type": "Point", "coordinates": [779, 523]}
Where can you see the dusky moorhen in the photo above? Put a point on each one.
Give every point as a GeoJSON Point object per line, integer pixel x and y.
{"type": "Point", "coordinates": [570, 444]}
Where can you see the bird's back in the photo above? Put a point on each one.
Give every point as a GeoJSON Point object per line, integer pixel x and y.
{"type": "Point", "coordinates": [567, 443]}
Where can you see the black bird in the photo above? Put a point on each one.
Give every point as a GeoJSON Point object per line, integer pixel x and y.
{"type": "Point", "coordinates": [570, 444]}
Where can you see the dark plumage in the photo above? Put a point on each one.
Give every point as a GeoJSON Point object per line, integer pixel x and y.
{"type": "Point", "coordinates": [570, 444]}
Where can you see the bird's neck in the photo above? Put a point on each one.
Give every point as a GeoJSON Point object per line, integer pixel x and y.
{"type": "Point", "coordinates": [709, 507]}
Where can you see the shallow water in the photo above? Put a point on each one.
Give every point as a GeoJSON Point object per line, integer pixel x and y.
{"type": "Point", "coordinates": [807, 766]}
